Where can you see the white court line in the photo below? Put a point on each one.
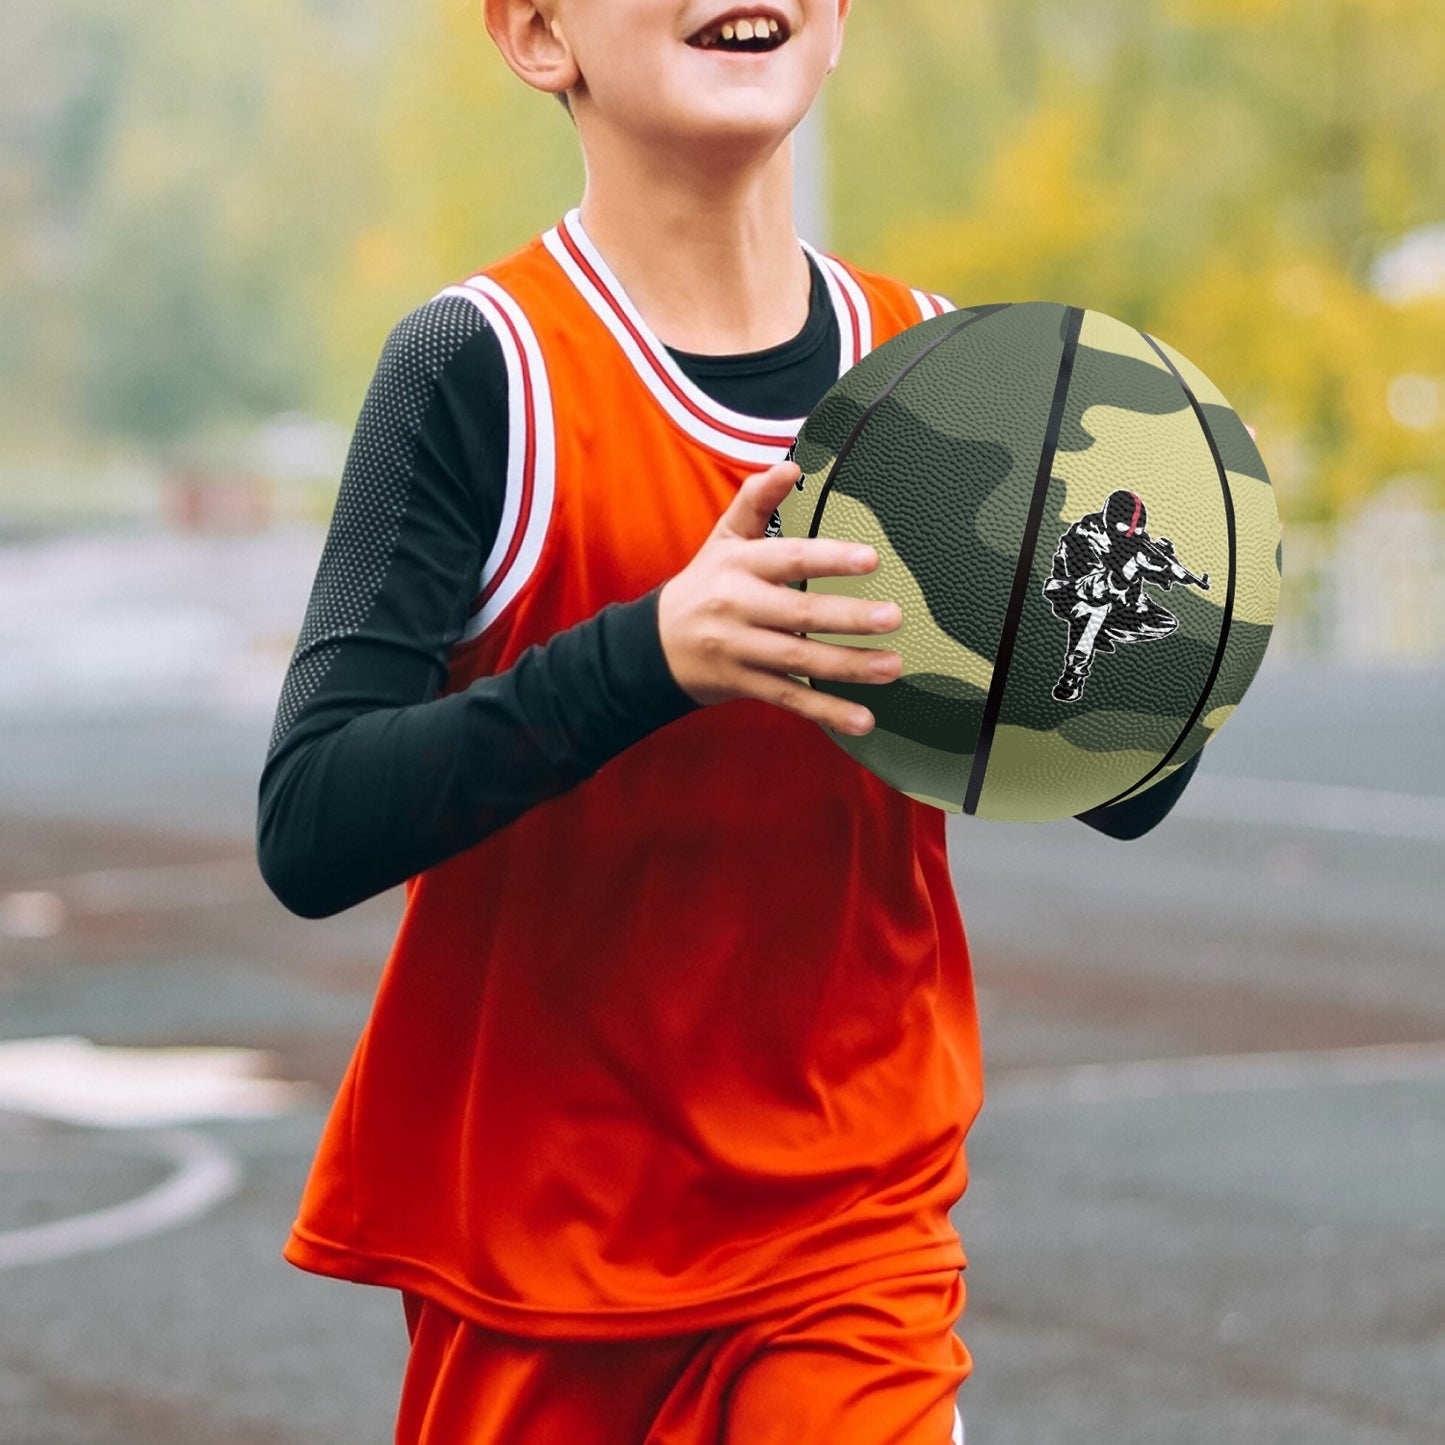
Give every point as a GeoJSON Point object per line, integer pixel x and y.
{"type": "Point", "coordinates": [1331, 807]}
{"type": "Point", "coordinates": [107, 1086]}
{"type": "Point", "coordinates": [168, 885]}
{"type": "Point", "coordinates": [1208, 1074]}
{"type": "Point", "coordinates": [205, 1175]}
{"type": "Point", "coordinates": [40, 910]}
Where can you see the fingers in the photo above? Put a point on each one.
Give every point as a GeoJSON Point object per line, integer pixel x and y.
{"type": "Point", "coordinates": [732, 627]}
{"type": "Point", "coordinates": [778, 657]}
{"type": "Point", "coordinates": [830, 662]}
{"type": "Point", "coordinates": [793, 559]}
{"type": "Point", "coordinates": [749, 512]}
{"type": "Point", "coordinates": [820, 707]}
{"type": "Point", "coordinates": [787, 559]}
{"type": "Point", "coordinates": [789, 611]}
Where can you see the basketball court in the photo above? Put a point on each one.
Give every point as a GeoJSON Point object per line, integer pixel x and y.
{"type": "Point", "coordinates": [1209, 1180]}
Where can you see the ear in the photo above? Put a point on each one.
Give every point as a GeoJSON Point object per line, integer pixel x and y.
{"type": "Point", "coordinates": [532, 42]}
{"type": "Point", "coordinates": [843, 8]}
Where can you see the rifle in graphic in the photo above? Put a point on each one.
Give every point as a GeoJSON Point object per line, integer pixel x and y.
{"type": "Point", "coordinates": [1163, 551]}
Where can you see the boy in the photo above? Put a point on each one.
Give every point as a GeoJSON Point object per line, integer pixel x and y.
{"type": "Point", "coordinates": [660, 1110]}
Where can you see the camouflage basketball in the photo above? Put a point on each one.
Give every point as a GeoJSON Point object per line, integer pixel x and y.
{"type": "Point", "coordinates": [1083, 540]}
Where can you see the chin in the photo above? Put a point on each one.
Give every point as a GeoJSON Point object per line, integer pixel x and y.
{"type": "Point", "coordinates": [737, 119]}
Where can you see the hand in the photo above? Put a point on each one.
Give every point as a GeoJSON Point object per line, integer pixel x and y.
{"type": "Point", "coordinates": [729, 621]}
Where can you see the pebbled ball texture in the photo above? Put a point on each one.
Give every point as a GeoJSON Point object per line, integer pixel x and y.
{"type": "Point", "coordinates": [935, 448]}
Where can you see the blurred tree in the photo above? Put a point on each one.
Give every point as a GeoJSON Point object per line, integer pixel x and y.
{"type": "Point", "coordinates": [1222, 173]}
{"type": "Point", "coordinates": [214, 221]}
{"type": "Point", "coordinates": [58, 95]}
{"type": "Point", "coordinates": [469, 164]}
{"type": "Point", "coordinates": [206, 215]}
{"type": "Point", "coordinates": [177, 214]}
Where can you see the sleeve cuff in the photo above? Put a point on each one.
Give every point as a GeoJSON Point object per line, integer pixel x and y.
{"type": "Point", "coordinates": [636, 666]}
{"type": "Point", "coordinates": [1136, 816]}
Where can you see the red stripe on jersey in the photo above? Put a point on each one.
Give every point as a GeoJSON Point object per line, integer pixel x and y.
{"type": "Point", "coordinates": [529, 458]}
{"type": "Point", "coordinates": [678, 1159]}
{"type": "Point", "coordinates": [1134, 520]}
{"type": "Point", "coordinates": [575, 252]}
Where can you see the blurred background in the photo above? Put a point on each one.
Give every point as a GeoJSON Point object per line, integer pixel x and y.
{"type": "Point", "coordinates": [210, 222]}
{"type": "Point", "coordinates": [1209, 1193]}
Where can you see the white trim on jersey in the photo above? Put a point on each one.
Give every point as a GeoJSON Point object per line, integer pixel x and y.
{"type": "Point", "coordinates": [531, 454]}
{"type": "Point", "coordinates": [855, 321]}
{"type": "Point", "coordinates": [753, 439]}
{"type": "Point", "coordinates": [930, 304]}
{"type": "Point", "coordinates": [757, 440]}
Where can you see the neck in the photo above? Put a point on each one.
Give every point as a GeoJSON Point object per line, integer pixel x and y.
{"type": "Point", "coordinates": [708, 254]}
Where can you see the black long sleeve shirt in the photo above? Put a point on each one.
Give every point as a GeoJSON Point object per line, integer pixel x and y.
{"type": "Point", "coordinates": [370, 777]}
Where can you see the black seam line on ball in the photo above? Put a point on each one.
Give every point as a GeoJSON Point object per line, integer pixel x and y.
{"type": "Point", "coordinates": [993, 704]}
{"type": "Point", "coordinates": [982, 314]}
{"type": "Point", "coordinates": [1228, 591]}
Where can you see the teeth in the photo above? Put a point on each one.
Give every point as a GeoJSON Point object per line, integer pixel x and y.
{"type": "Point", "coordinates": [759, 27]}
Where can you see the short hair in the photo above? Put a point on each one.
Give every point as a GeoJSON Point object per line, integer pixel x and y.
{"type": "Point", "coordinates": [566, 104]}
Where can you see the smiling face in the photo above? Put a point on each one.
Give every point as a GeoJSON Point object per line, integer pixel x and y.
{"type": "Point", "coordinates": [681, 71]}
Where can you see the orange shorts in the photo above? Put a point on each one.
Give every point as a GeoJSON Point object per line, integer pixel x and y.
{"type": "Point", "coordinates": [879, 1366]}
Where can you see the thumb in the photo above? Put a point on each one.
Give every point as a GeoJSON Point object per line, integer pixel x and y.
{"type": "Point", "coordinates": [748, 513]}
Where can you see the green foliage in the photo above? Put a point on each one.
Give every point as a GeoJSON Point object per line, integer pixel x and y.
{"type": "Point", "coordinates": [209, 214]}
{"type": "Point", "coordinates": [185, 190]}
{"type": "Point", "coordinates": [1220, 172]}
{"type": "Point", "coordinates": [469, 163]}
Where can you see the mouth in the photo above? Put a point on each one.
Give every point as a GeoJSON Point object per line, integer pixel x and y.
{"type": "Point", "coordinates": [743, 32]}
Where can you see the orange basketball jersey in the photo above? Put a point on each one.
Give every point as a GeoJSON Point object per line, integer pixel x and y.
{"type": "Point", "coordinates": [697, 1038]}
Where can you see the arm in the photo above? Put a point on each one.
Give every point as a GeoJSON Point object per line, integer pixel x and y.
{"type": "Point", "coordinates": [370, 778]}
{"type": "Point", "coordinates": [1136, 816]}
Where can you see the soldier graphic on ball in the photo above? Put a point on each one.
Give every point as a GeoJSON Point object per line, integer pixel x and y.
{"type": "Point", "coordinates": [1097, 586]}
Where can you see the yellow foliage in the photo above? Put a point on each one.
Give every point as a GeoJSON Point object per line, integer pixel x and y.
{"type": "Point", "coordinates": [1228, 13]}
{"type": "Point", "coordinates": [1218, 172]}
{"type": "Point", "coordinates": [472, 163]}
{"type": "Point", "coordinates": [1042, 217]}
{"type": "Point", "coordinates": [1308, 356]}
{"type": "Point", "coordinates": [278, 182]}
